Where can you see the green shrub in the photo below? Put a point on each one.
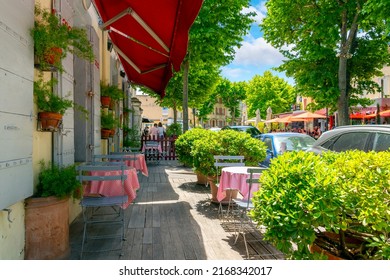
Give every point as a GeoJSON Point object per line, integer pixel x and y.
{"type": "Point", "coordinates": [346, 193]}
{"type": "Point", "coordinates": [175, 129]}
{"type": "Point", "coordinates": [184, 144]}
{"type": "Point", "coordinates": [226, 142]}
{"type": "Point", "coordinates": [59, 181]}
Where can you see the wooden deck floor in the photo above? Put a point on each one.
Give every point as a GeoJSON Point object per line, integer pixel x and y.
{"type": "Point", "coordinates": [172, 219]}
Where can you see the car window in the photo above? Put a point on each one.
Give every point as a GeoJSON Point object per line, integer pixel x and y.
{"type": "Point", "coordinates": [268, 143]}
{"type": "Point", "coordinates": [253, 131]}
{"type": "Point", "coordinates": [293, 143]}
{"type": "Point", "coordinates": [351, 141]}
{"type": "Point", "coordinates": [381, 142]}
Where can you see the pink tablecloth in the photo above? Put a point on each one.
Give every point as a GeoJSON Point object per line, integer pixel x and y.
{"type": "Point", "coordinates": [139, 163]}
{"type": "Point", "coordinates": [114, 188]}
{"type": "Point", "coordinates": [235, 178]}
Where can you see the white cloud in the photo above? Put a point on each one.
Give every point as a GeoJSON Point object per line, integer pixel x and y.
{"type": "Point", "coordinates": [257, 52]}
{"type": "Point", "coordinates": [235, 73]}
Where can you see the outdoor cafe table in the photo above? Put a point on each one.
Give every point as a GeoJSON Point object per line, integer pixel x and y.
{"type": "Point", "coordinates": [139, 163]}
{"type": "Point", "coordinates": [235, 178]}
{"type": "Point", "coordinates": [114, 188]}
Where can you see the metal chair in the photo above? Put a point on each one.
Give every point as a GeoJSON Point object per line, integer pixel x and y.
{"type": "Point", "coordinates": [244, 205]}
{"type": "Point", "coordinates": [226, 161]}
{"type": "Point", "coordinates": [102, 210]}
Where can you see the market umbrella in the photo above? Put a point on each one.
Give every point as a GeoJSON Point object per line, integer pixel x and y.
{"type": "Point", "coordinates": [258, 118]}
{"type": "Point", "coordinates": [150, 37]}
{"type": "Point", "coordinates": [385, 113]}
{"type": "Point", "coordinates": [308, 115]}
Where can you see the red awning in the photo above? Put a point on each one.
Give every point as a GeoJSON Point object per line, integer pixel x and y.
{"type": "Point", "coordinates": [150, 37]}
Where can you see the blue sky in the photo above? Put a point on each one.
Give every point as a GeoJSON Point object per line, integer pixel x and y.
{"type": "Point", "coordinates": [255, 55]}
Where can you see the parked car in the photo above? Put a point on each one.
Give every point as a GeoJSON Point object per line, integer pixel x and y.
{"type": "Point", "coordinates": [253, 131]}
{"type": "Point", "coordinates": [354, 137]}
{"type": "Point", "coordinates": [280, 142]}
{"type": "Point", "coordinates": [215, 128]}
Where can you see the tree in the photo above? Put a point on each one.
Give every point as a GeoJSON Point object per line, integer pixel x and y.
{"type": "Point", "coordinates": [231, 94]}
{"type": "Point", "coordinates": [269, 91]}
{"type": "Point", "coordinates": [218, 29]}
{"type": "Point", "coordinates": [335, 47]}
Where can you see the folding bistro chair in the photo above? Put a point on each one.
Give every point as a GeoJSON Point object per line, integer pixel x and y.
{"type": "Point", "coordinates": [244, 205]}
{"type": "Point", "coordinates": [226, 161]}
{"type": "Point", "coordinates": [102, 210]}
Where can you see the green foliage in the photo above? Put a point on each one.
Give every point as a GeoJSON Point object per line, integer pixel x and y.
{"type": "Point", "coordinates": [231, 94]}
{"type": "Point", "coordinates": [108, 120]}
{"type": "Point", "coordinates": [50, 35]}
{"type": "Point", "coordinates": [226, 142]}
{"type": "Point", "coordinates": [132, 138]}
{"type": "Point", "coordinates": [185, 143]}
{"type": "Point", "coordinates": [47, 101]}
{"type": "Point", "coordinates": [111, 91]}
{"type": "Point", "coordinates": [269, 91]}
{"type": "Point", "coordinates": [59, 181]}
{"type": "Point", "coordinates": [337, 47]}
{"type": "Point", "coordinates": [347, 193]}
{"type": "Point", "coordinates": [175, 129]}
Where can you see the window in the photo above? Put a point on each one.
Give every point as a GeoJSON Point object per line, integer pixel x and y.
{"type": "Point", "coordinates": [381, 142]}
{"type": "Point", "coordinates": [351, 141]}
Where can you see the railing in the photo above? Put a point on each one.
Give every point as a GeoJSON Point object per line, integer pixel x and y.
{"type": "Point", "coordinates": [167, 145]}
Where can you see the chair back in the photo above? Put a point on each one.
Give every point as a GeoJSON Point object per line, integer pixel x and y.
{"type": "Point", "coordinates": [85, 170]}
{"type": "Point", "coordinates": [251, 180]}
{"type": "Point", "coordinates": [113, 159]}
{"type": "Point", "coordinates": [227, 161]}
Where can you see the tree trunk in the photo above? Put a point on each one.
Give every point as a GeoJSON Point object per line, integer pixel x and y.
{"type": "Point", "coordinates": [342, 104]}
{"type": "Point", "coordinates": [186, 65]}
{"type": "Point", "coordinates": [174, 112]}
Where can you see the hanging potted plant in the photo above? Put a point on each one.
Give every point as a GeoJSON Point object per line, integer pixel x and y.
{"type": "Point", "coordinates": [109, 94]}
{"type": "Point", "coordinates": [108, 124]}
{"type": "Point", "coordinates": [53, 40]}
{"type": "Point", "coordinates": [47, 212]}
{"type": "Point", "coordinates": [51, 107]}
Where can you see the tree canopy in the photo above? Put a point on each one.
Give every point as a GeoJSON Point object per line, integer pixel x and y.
{"type": "Point", "coordinates": [333, 48]}
{"type": "Point", "coordinates": [269, 91]}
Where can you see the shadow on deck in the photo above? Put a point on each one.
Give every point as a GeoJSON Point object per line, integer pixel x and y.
{"type": "Point", "coordinates": [172, 219]}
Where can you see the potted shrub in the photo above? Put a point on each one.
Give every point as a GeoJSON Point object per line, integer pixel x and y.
{"type": "Point", "coordinates": [184, 145]}
{"type": "Point", "coordinates": [47, 212]}
{"type": "Point", "coordinates": [109, 93]}
{"type": "Point", "coordinates": [337, 203]}
{"type": "Point", "coordinates": [225, 142]}
{"type": "Point", "coordinates": [53, 40]}
{"type": "Point", "coordinates": [108, 124]}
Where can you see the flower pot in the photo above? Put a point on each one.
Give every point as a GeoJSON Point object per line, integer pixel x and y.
{"type": "Point", "coordinates": [105, 101]}
{"type": "Point", "coordinates": [105, 133]}
{"type": "Point", "coordinates": [112, 132]}
{"type": "Point", "coordinates": [49, 121]}
{"type": "Point", "coordinates": [214, 190]}
{"type": "Point", "coordinates": [47, 228]}
{"type": "Point", "coordinates": [202, 179]}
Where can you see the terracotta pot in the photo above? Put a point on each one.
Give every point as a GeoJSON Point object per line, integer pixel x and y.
{"type": "Point", "coordinates": [318, 249]}
{"type": "Point", "coordinates": [112, 132]}
{"type": "Point", "coordinates": [105, 101]}
{"type": "Point", "coordinates": [202, 179]}
{"type": "Point", "coordinates": [105, 133]}
{"type": "Point", "coordinates": [47, 228]}
{"type": "Point", "coordinates": [49, 121]}
{"type": "Point", "coordinates": [214, 190]}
